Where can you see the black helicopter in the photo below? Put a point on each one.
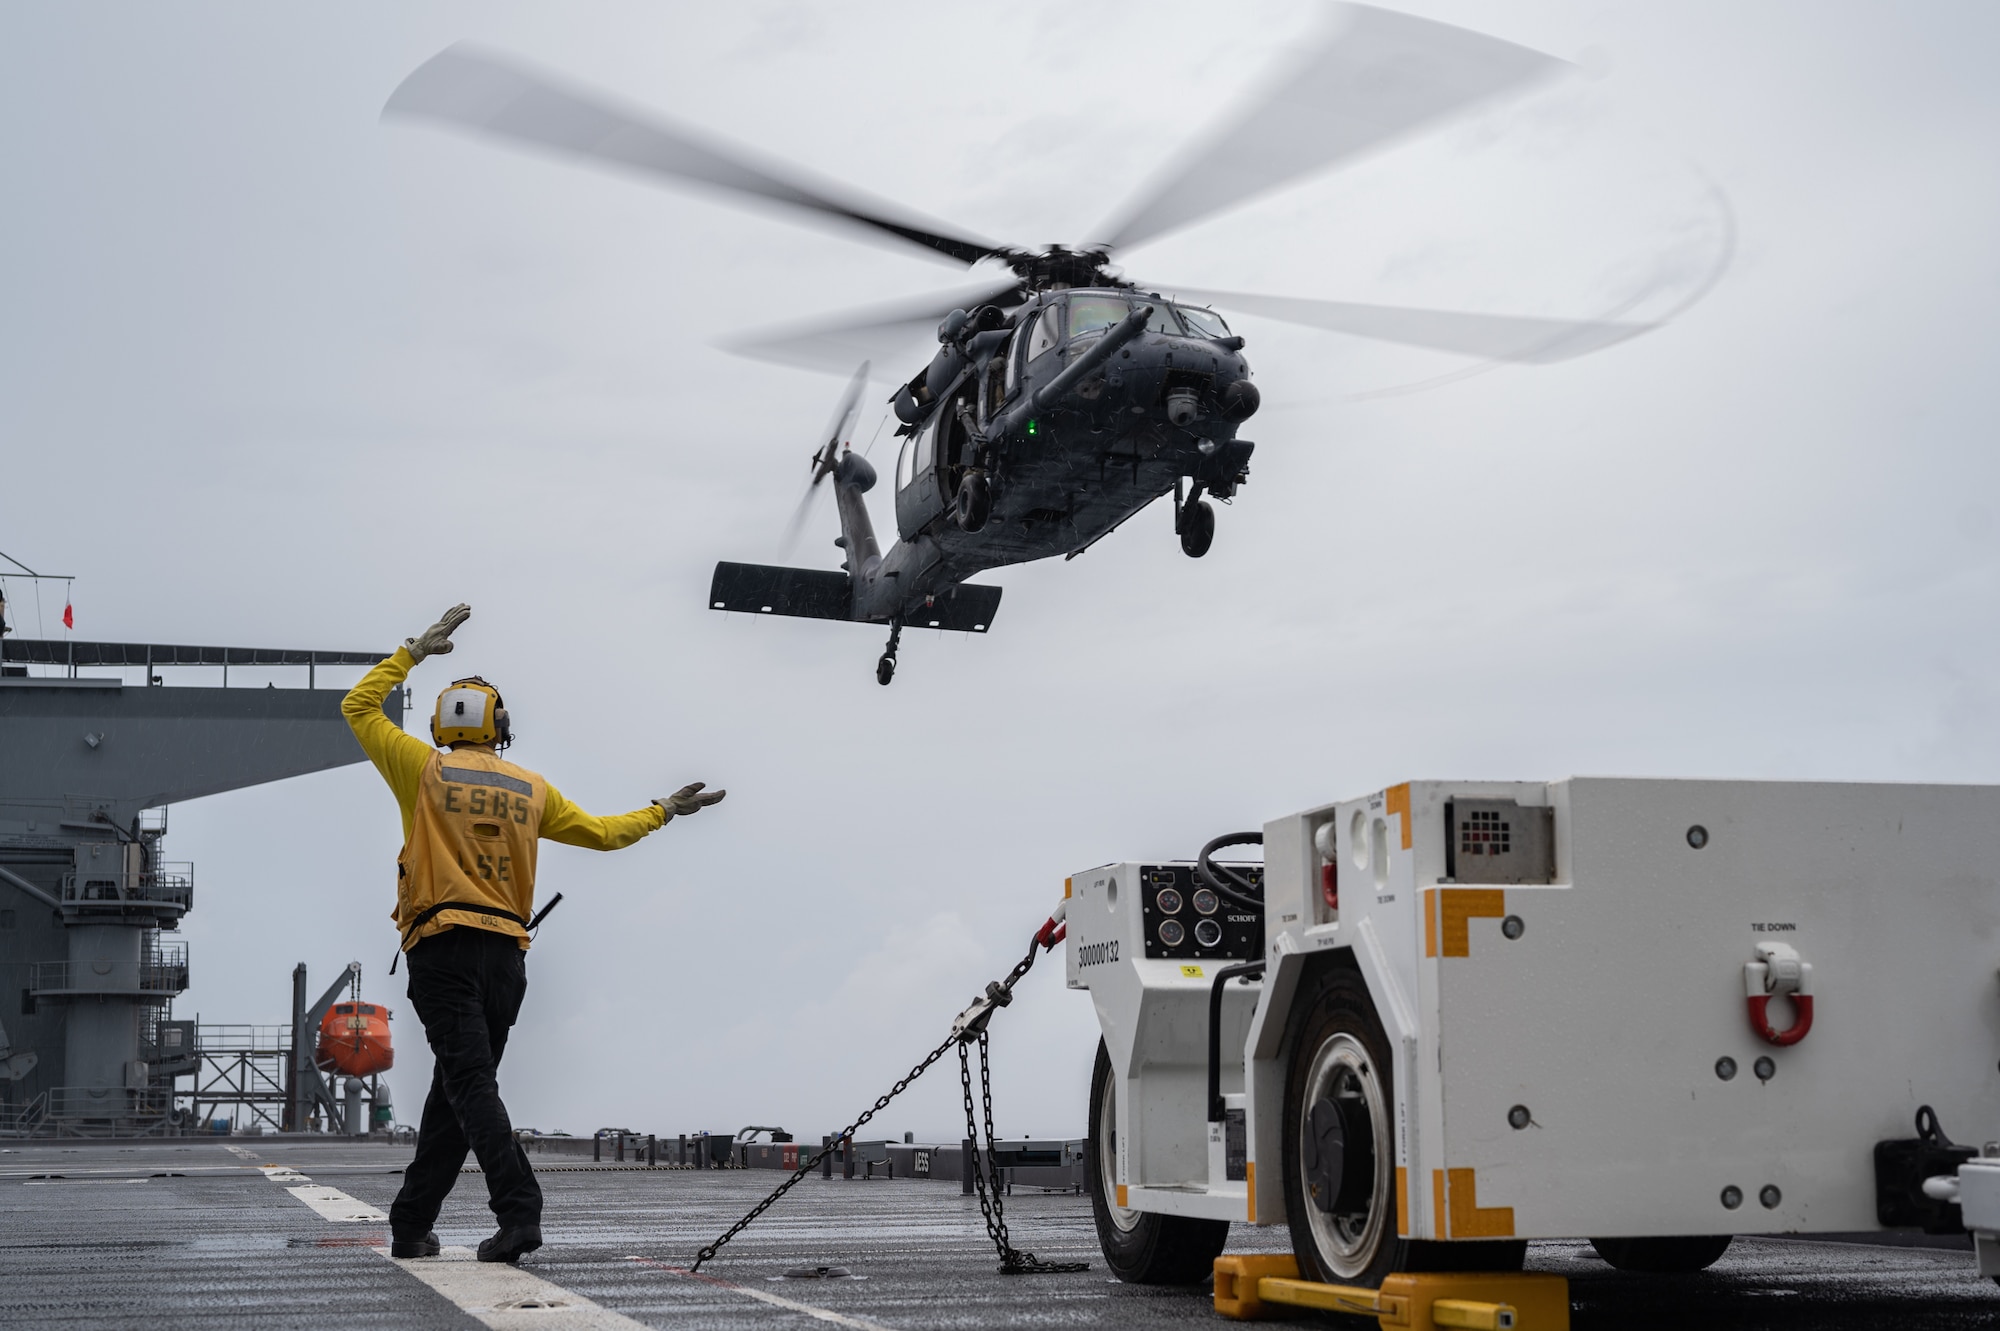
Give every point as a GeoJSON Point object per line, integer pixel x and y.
{"type": "Point", "coordinates": [1063, 398]}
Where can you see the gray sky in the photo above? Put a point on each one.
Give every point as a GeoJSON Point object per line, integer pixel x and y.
{"type": "Point", "coordinates": [274, 373]}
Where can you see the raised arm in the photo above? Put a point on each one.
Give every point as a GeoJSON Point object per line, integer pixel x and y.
{"type": "Point", "coordinates": [398, 755]}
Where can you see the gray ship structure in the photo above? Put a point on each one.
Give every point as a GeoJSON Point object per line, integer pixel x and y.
{"type": "Point", "coordinates": [95, 745]}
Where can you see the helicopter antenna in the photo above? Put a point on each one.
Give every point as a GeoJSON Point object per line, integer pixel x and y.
{"type": "Point", "coordinates": [877, 435]}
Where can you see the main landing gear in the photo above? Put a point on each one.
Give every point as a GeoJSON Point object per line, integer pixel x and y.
{"type": "Point", "coordinates": [974, 502]}
{"type": "Point", "coordinates": [1194, 522]}
{"type": "Point", "coordinates": [885, 669]}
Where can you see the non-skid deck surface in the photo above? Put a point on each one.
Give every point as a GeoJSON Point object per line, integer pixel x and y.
{"type": "Point", "coordinates": [280, 1233]}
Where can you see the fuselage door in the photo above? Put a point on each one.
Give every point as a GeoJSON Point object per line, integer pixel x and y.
{"type": "Point", "coordinates": [918, 495]}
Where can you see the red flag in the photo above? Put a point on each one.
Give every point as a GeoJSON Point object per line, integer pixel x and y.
{"type": "Point", "coordinates": [69, 616]}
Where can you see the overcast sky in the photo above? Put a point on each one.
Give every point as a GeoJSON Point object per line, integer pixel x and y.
{"type": "Point", "coordinates": [275, 373]}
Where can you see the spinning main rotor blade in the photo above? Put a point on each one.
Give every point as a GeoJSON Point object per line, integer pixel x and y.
{"type": "Point", "coordinates": [1526, 339]}
{"type": "Point", "coordinates": [1380, 75]}
{"type": "Point", "coordinates": [824, 457]}
{"type": "Point", "coordinates": [472, 89]}
{"type": "Point", "coordinates": [879, 332]}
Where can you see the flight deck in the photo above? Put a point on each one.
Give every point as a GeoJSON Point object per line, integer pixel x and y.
{"type": "Point", "coordinates": [282, 1232]}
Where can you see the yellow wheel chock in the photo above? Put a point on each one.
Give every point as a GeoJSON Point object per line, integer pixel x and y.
{"type": "Point", "coordinates": [1248, 1286]}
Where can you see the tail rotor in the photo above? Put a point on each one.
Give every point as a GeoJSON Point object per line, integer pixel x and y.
{"type": "Point", "coordinates": [826, 457]}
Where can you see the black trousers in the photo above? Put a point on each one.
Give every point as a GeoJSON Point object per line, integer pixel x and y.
{"type": "Point", "coordinates": [466, 986]}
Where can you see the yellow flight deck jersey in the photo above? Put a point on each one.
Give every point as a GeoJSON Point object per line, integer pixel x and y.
{"type": "Point", "coordinates": [471, 821]}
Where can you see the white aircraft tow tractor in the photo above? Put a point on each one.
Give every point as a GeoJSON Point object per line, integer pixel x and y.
{"type": "Point", "coordinates": [1448, 1017]}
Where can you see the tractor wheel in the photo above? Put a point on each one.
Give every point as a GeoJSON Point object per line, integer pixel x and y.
{"type": "Point", "coordinates": [1141, 1248]}
{"type": "Point", "coordinates": [1339, 1157]}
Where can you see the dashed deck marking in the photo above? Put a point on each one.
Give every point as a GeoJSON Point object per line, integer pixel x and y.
{"type": "Point", "coordinates": [765, 1296]}
{"type": "Point", "coordinates": [331, 1203]}
{"type": "Point", "coordinates": [507, 1298]}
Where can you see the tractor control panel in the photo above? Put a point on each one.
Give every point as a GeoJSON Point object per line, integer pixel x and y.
{"type": "Point", "coordinates": [1185, 919]}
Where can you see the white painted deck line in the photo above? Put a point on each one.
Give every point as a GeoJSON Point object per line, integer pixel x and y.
{"type": "Point", "coordinates": [507, 1298]}
{"type": "Point", "coordinates": [333, 1204]}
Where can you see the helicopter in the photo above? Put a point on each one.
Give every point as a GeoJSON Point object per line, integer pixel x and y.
{"type": "Point", "coordinates": [1063, 397]}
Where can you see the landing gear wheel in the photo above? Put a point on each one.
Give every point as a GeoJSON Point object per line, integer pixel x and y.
{"type": "Point", "coordinates": [1197, 529]}
{"type": "Point", "coordinates": [1663, 1255]}
{"type": "Point", "coordinates": [1141, 1248]}
{"type": "Point", "coordinates": [885, 669]}
{"type": "Point", "coordinates": [974, 503]}
{"type": "Point", "coordinates": [1340, 1150]}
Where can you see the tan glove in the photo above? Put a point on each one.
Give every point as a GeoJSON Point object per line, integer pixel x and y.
{"type": "Point", "coordinates": [689, 799]}
{"type": "Point", "coordinates": [436, 640]}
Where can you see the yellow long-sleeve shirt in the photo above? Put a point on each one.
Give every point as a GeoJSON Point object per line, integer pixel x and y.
{"type": "Point", "coordinates": [402, 758]}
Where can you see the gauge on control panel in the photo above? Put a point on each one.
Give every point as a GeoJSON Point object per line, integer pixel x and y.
{"type": "Point", "coordinates": [1169, 901]}
{"type": "Point", "coordinates": [1205, 903]}
{"type": "Point", "coordinates": [1172, 932]}
{"type": "Point", "coordinates": [1207, 933]}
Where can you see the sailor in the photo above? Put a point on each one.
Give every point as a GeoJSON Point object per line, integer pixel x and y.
{"type": "Point", "coordinates": [465, 890]}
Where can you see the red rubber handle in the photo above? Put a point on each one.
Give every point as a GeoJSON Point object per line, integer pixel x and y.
{"type": "Point", "coordinates": [1760, 1019]}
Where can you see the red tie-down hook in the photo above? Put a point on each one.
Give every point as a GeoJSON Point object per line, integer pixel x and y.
{"type": "Point", "coordinates": [1778, 971]}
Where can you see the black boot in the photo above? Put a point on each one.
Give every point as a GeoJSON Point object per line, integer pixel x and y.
{"type": "Point", "coordinates": [510, 1243]}
{"type": "Point", "coordinates": [427, 1246]}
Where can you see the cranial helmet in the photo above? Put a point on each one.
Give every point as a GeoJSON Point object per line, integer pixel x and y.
{"type": "Point", "coordinates": [471, 711]}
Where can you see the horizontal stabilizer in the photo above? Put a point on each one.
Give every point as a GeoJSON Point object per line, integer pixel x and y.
{"type": "Point", "coordinates": [769, 589]}
{"type": "Point", "coordinates": [967, 607]}
{"type": "Point", "coordinates": [803, 593]}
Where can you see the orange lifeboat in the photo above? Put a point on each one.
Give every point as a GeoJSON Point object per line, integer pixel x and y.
{"type": "Point", "coordinates": [354, 1040]}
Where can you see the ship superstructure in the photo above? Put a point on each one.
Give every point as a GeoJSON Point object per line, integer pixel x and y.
{"type": "Point", "coordinates": [95, 745]}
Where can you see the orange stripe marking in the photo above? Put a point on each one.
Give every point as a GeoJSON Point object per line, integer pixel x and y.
{"type": "Point", "coordinates": [1470, 1220]}
{"type": "Point", "coordinates": [1399, 802]}
{"type": "Point", "coordinates": [1460, 905]}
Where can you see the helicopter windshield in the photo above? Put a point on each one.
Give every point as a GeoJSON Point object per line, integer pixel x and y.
{"type": "Point", "coordinates": [1087, 314]}
{"type": "Point", "coordinates": [1204, 323]}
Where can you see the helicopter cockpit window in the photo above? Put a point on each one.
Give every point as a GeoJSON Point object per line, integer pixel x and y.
{"type": "Point", "coordinates": [1089, 314]}
{"type": "Point", "coordinates": [1204, 323]}
{"type": "Point", "coordinates": [1163, 320]}
{"type": "Point", "coordinates": [906, 464]}
{"type": "Point", "coordinates": [1047, 333]}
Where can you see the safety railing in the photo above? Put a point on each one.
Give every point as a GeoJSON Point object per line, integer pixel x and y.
{"type": "Point", "coordinates": [163, 972]}
{"type": "Point", "coordinates": [162, 885]}
{"type": "Point", "coordinates": [234, 1039]}
{"type": "Point", "coordinates": [22, 1120]}
{"type": "Point", "coordinates": [93, 1111]}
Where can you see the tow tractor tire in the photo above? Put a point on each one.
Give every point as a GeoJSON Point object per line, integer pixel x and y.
{"type": "Point", "coordinates": [1663, 1255]}
{"type": "Point", "coordinates": [1198, 529]}
{"type": "Point", "coordinates": [1339, 1152]}
{"type": "Point", "coordinates": [1140, 1248]}
{"type": "Point", "coordinates": [974, 503]}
